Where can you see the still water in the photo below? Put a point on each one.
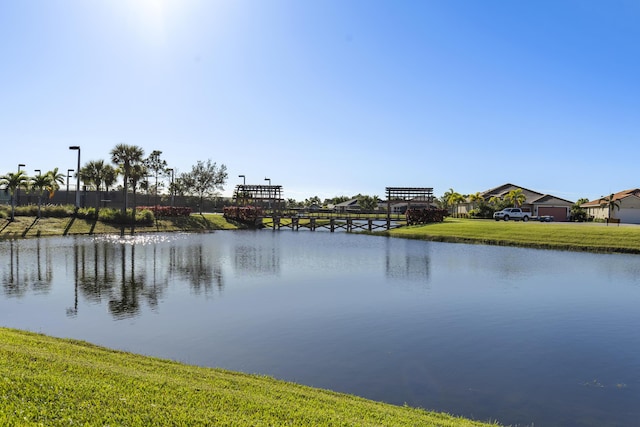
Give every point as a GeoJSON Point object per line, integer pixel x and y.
{"type": "Point", "coordinates": [527, 337]}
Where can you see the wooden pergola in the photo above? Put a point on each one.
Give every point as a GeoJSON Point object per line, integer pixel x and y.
{"type": "Point", "coordinates": [421, 195]}
{"type": "Point", "coordinates": [265, 196]}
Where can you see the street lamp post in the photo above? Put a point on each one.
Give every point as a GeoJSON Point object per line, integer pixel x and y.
{"type": "Point", "coordinates": [269, 191]}
{"type": "Point", "coordinates": [244, 180]}
{"type": "Point", "coordinates": [20, 165]}
{"type": "Point", "coordinates": [171, 189]}
{"type": "Point", "coordinates": [77, 147]}
{"type": "Point", "coordinates": [66, 196]}
{"type": "Point", "coordinates": [38, 171]}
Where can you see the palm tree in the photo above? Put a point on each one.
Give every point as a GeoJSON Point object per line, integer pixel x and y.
{"type": "Point", "coordinates": [475, 198]}
{"type": "Point", "coordinates": [456, 198]}
{"type": "Point", "coordinates": [110, 175]}
{"type": "Point", "coordinates": [93, 173]}
{"type": "Point", "coordinates": [126, 156]}
{"type": "Point", "coordinates": [516, 197]}
{"type": "Point", "coordinates": [444, 200]}
{"type": "Point", "coordinates": [611, 204]}
{"type": "Point", "coordinates": [40, 183]}
{"type": "Point", "coordinates": [57, 179]}
{"type": "Point", "coordinates": [12, 182]}
{"type": "Point", "coordinates": [495, 200]}
{"type": "Point", "coordinates": [137, 172]}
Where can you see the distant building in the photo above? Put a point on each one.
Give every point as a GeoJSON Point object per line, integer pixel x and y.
{"type": "Point", "coordinates": [626, 209]}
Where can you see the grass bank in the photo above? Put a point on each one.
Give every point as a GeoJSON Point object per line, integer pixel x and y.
{"type": "Point", "coordinates": [26, 226]}
{"type": "Point", "coordinates": [54, 382]}
{"type": "Point", "coordinates": [593, 237]}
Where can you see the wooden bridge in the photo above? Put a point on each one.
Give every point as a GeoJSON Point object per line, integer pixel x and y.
{"type": "Point", "coordinates": [334, 221]}
{"type": "Point", "coordinates": [263, 206]}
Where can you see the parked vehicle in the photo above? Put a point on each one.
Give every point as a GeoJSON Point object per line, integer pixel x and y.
{"type": "Point", "coordinates": [512, 213]}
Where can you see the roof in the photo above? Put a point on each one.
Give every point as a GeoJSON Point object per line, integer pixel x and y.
{"type": "Point", "coordinates": [549, 198]}
{"type": "Point", "coordinates": [531, 196]}
{"type": "Point", "coordinates": [616, 196]}
{"type": "Point", "coordinates": [347, 203]}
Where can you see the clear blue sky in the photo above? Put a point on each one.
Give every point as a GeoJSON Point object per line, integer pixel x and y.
{"type": "Point", "coordinates": [332, 97]}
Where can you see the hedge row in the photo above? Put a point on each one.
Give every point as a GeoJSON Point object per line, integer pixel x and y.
{"type": "Point", "coordinates": [168, 211]}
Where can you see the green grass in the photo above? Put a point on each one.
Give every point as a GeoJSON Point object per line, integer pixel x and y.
{"type": "Point", "coordinates": [54, 382]}
{"type": "Point", "coordinates": [596, 237]}
{"type": "Point", "coordinates": [26, 226]}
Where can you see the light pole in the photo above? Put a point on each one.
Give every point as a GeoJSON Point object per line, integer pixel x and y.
{"type": "Point", "coordinates": [244, 181]}
{"type": "Point", "coordinates": [38, 171]}
{"type": "Point", "coordinates": [66, 196]}
{"type": "Point", "coordinates": [171, 188]}
{"type": "Point", "coordinates": [20, 165]}
{"type": "Point", "coordinates": [77, 147]}
{"type": "Point", "coordinates": [269, 190]}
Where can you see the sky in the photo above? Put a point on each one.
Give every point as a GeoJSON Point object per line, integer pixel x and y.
{"type": "Point", "coordinates": [332, 97]}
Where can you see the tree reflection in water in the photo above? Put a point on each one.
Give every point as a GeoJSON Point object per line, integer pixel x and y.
{"type": "Point", "coordinates": [127, 272]}
{"type": "Point", "coordinates": [36, 274]}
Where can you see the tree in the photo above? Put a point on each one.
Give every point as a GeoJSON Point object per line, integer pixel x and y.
{"type": "Point", "coordinates": [40, 183]}
{"type": "Point", "coordinates": [336, 200]}
{"type": "Point", "coordinates": [495, 201]}
{"type": "Point", "coordinates": [610, 203]}
{"type": "Point", "coordinates": [94, 173]}
{"type": "Point", "coordinates": [476, 198]}
{"type": "Point", "coordinates": [157, 166]}
{"type": "Point", "coordinates": [455, 198]}
{"type": "Point", "coordinates": [126, 156]}
{"type": "Point", "coordinates": [293, 203]}
{"type": "Point", "coordinates": [12, 182]}
{"type": "Point", "coordinates": [204, 180]}
{"type": "Point", "coordinates": [109, 177]}
{"type": "Point", "coordinates": [578, 213]}
{"type": "Point", "coordinates": [57, 179]}
{"type": "Point", "coordinates": [368, 203]}
{"type": "Point", "coordinates": [516, 197]}
{"type": "Point", "coordinates": [137, 172]}
{"type": "Point", "coordinates": [444, 200]}
{"type": "Point", "coordinates": [314, 200]}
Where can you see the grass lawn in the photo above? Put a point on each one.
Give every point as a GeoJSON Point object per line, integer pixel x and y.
{"type": "Point", "coordinates": [25, 226]}
{"type": "Point", "coordinates": [54, 382]}
{"type": "Point", "coordinates": [596, 237]}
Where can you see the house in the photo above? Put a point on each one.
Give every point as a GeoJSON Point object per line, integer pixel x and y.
{"type": "Point", "coordinates": [538, 204]}
{"type": "Point", "coordinates": [415, 203]}
{"type": "Point", "coordinates": [349, 205]}
{"type": "Point", "coordinates": [626, 207]}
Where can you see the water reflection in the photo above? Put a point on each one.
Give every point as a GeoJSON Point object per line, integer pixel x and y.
{"type": "Point", "coordinates": [35, 274]}
{"type": "Point", "coordinates": [256, 261]}
{"type": "Point", "coordinates": [200, 267]}
{"type": "Point", "coordinates": [407, 264]}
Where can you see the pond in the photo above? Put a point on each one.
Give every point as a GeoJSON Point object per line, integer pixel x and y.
{"type": "Point", "coordinates": [522, 336]}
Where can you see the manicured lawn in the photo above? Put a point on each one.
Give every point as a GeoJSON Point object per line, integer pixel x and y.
{"type": "Point", "coordinates": [555, 235]}
{"type": "Point", "coordinates": [53, 382]}
{"type": "Point", "coordinates": [25, 226]}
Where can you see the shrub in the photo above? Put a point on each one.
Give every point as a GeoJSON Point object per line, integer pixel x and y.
{"type": "Point", "coordinates": [57, 211]}
{"type": "Point", "coordinates": [86, 213]}
{"type": "Point", "coordinates": [167, 211]}
{"type": "Point", "coordinates": [27, 210]}
{"type": "Point", "coordinates": [145, 217]}
{"type": "Point", "coordinates": [115, 216]}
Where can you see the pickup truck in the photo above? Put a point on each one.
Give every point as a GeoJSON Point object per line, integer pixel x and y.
{"type": "Point", "coordinates": [512, 213]}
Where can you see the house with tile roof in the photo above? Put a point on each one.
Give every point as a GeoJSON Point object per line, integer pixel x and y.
{"type": "Point", "coordinates": [538, 204]}
{"type": "Point", "coordinates": [627, 210]}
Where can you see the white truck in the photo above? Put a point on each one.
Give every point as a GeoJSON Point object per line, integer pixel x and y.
{"type": "Point", "coordinates": [512, 213]}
